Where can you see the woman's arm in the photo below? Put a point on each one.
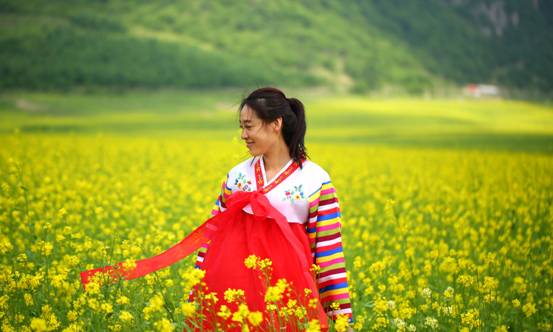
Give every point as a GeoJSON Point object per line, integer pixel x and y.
{"type": "Point", "coordinates": [218, 207]}
{"type": "Point", "coordinates": [324, 230]}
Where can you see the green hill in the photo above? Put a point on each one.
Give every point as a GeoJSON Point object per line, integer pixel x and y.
{"type": "Point", "coordinates": [357, 45]}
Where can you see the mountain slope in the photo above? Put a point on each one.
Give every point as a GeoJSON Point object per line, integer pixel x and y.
{"type": "Point", "coordinates": [362, 45]}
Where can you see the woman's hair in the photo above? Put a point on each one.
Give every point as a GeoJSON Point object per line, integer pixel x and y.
{"type": "Point", "coordinates": [269, 104]}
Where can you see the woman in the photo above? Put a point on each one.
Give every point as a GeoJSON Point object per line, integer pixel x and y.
{"type": "Point", "coordinates": [276, 205]}
{"type": "Point", "coordinates": [273, 127]}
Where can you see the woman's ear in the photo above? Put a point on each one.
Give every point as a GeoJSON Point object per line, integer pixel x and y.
{"type": "Point", "coordinates": [277, 124]}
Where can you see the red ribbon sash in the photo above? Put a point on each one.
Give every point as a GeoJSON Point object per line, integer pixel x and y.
{"type": "Point", "coordinates": [261, 208]}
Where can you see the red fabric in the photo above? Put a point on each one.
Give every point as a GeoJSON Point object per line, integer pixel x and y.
{"type": "Point", "coordinates": [234, 235]}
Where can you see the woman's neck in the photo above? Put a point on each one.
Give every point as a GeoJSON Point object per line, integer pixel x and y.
{"type": "Point", "coordinates": [276, 158]}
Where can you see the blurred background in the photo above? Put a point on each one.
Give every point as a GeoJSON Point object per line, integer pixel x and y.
{"type": "Point", "coordinates": [470, 72]}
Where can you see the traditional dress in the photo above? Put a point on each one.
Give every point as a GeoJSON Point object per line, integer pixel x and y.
{"type": "Point", "coordinates": [293, 219]}
{"type": "Point", "coordinates": [307, 199]}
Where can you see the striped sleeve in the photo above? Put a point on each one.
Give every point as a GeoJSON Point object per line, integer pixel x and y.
{"type": "Point", "coordinates": [325, 237]}
{"type": "Point", "coordinates": [218, 207]}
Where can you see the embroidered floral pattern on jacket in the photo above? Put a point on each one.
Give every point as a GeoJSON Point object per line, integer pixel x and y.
{"type": "Point", "coordinates": [294, 194]}
{"type": "Point", "coordinates": [242, 182]}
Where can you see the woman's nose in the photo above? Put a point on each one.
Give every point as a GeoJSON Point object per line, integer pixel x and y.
{"type": "Point", "coordinates": [243, 134]}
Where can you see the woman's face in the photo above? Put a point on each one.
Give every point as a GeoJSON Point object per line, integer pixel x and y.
{"type": "Point", "coordinates": [259, 137]}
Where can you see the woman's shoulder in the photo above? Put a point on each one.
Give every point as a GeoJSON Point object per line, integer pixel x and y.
{"type": "Point", "coordinates": [315, 171]}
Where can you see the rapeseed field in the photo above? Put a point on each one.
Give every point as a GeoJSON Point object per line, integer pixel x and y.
{"type": "Point", "coordinates": [435, 238]}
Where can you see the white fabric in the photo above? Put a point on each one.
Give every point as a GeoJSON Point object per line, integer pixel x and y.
{"type": "Point", "coordinates": [302, 183]}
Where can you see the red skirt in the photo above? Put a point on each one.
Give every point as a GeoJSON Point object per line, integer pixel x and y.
{"type": "Point", "coordinates": [233, 235]}
{"type": "Point", "coordinates": [224, 267]}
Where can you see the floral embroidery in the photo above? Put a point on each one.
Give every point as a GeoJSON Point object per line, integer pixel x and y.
{"type": "Point", "coordinates": [294, 194]}
{"type": "Point", "coordinates": [242, 182]}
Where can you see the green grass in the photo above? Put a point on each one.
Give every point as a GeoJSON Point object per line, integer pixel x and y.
{"type": "Point", "coordinates": [211, 114]}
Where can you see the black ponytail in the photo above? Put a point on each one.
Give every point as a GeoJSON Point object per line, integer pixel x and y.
{"type": "Point", "coordinates": [296, 138]}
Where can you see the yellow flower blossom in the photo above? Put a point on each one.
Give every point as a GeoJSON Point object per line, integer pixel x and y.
{"type": "Point", "coordinates": [251, 261]}
{"type": "Point", "coordinates": [315, 268]}
{"type": "Point", "coordinates": [38, 324]}
{"type": "Point", "coordinates": [501, 328]}
{"type": "Point", "coordinates": [28, 299]}
{"type": "Point", "coordinates": [106, 307]}
{"type": "Point", "coordinates": [448, 293]}
{"type": "Point", "coordinates": [471, 318]}
{"type": "Point", "coordinates": [211, 297]}
{"type": "Point", "coordinates": [47, 248]}
{"type": "Point", "coordinates": [125, 316]}
{"type": "Point", "coordinates": [335, 305]}
{"type": "Point", "coordinates": [234, 295]}
{"type": "Point", "coordinates": [314, 326]}
{"type": "Point", "coordinates": [341, 324]}
{"type": "Point", "coordinates": [241, 313]}
{"type": "Point", "coordinates": [129, 264]}
{"type": "Point", "coordinates": [123, 300]}
{"type": "Point", "coordinates": [224, 312]}
{"type": "Point", "coordinates": [188, 309]}
{"type": "Point", "coordinates": [164, 325]}
{"type": "Point", "coordinates": [72, 315]}
{"type": "Point", "coordinates": [529, 309]}
{"type": "Point", "coordinates": [255, 318]}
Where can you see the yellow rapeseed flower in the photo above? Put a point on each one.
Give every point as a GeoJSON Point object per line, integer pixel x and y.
{"type": "Point", "coordinates": [72, 315]}
{"type": "Point", "coordinates": [313, 303]}
{"type": "Point", "coordinates": [232, 295]}
{"type": "Point", "coordinates": [255, 318]}
{"type": "Point", "coordinates": [47, 248]}
{"type": "Point", "coordinates": [188, 309]}
{"type": "Point", "coordinates": [129, 264]}
{"type": "Point", "coordinates": [106, 307]}
{"type": "Point", "coordinates": [501, 328]}
{"type": "Point", "coordinates": [211, 297]}
{"type": "Point", "coordinates": [122, 300]}
{"type": "Point", "coordinates": [341, 324]}
{"type": "Point", "coordinates": [273, 294]}
{"type": "Point", "coordinates": [529, 309]}
{"type": "Point", "coordinates": [38, 324]}
{"type": "Point", "coordinates": [224, 312]}
{"type": "Point", "coordinates": [315, 268]}
{"type": "Point", "coordinates": [125, 316]}
{"type": "Point", "coordinates": [471, 318]}
{"type": "Point", "coordinates": [314, 326]}
{"type": "Point", "coordinates": [335, 305]}
{"type": "Point", "coordinates": [164, 325]}
{"type": "Point", "coordinates": [448, 293]}
{"type": "Point", "coordinates": [28, 299]}
{"type": "Point", "coordinates": [241, 313]}
{"type": "Point", "coordinates": [251, 261]}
